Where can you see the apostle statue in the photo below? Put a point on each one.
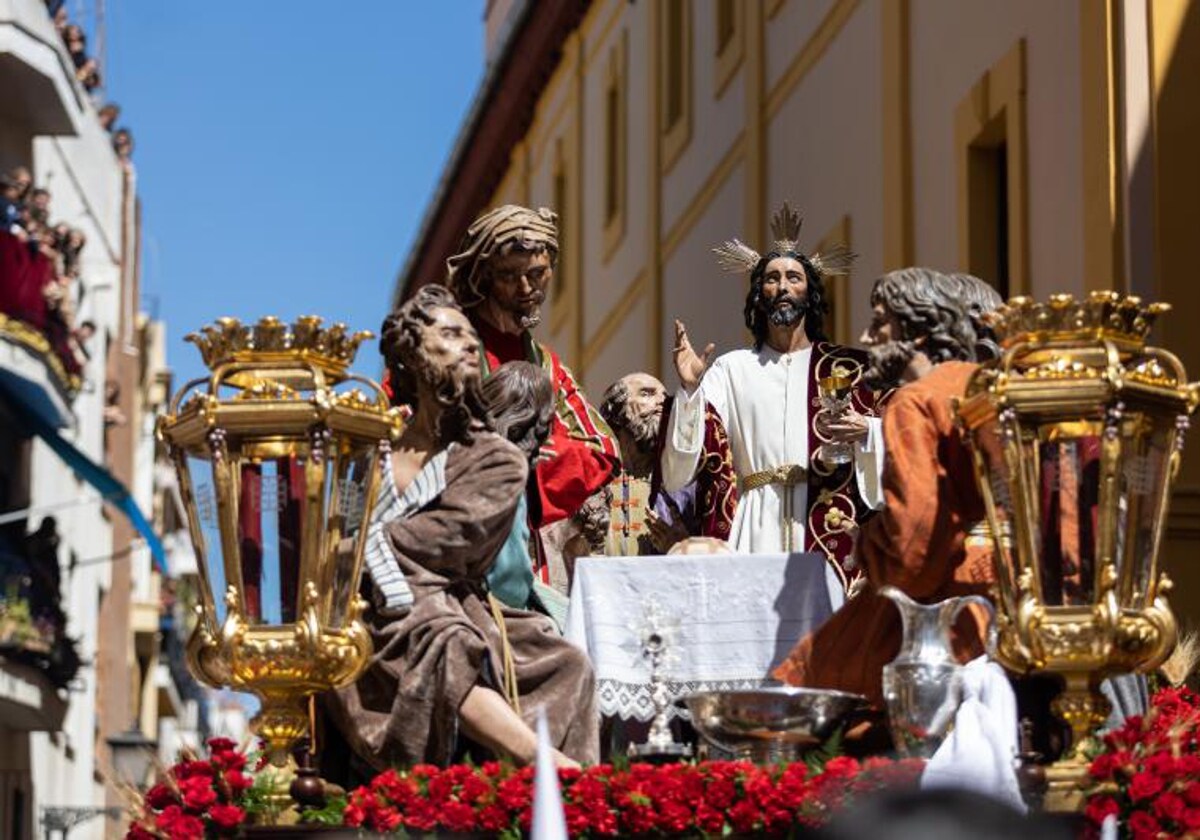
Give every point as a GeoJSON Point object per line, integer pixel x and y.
{"type": "Point", "coordinates": [806, 473]}
{"type": "Point", "coordinates": [645, 518]}
{"type": "Point", "coordinates": [453, 667]}
{"type": "Point", "coordinates": [500, 275]}
{"type": "Point", "coordinates": [927, 334]}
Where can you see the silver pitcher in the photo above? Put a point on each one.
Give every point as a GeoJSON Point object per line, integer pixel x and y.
{"type": "Point", "coordinates": [923, 684]}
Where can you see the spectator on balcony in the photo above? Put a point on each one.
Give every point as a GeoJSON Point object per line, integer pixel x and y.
{"type": "Point", "coordinates": [108, 116]}
{"type": "Point", "coordinates": [71, 246]}
{"type": "Point", "coordinates": [39, 200]}
{"type": "Point", "coordinates": [22, 178]}
{"type": "Point", "coordinates": [123, 143]}
{"type": "Point", "coordinates": [10, 207]}
{"type": "Point", "coordinates": [76, 43]}
{"type": "Point", "coordinates": [80, 337]}
{"type": "Point", "coordinates": [58, 11]}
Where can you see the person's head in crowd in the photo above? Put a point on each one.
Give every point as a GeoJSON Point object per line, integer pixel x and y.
{"type": "Point", "coordinates": [109, 114]}
{"type": "Point", "coordinates": [8, 190]}
{"type": "Point", "coordinates": [40, 199]}
{"type": "Point", "coordinates": [76, 40]}
{"type": "Point", "coordinates": [123, 143]}
{"type": "Point", "coordinates": [85, 331]}
{"type": "Point", "coordinates": [520, 397]}
{"type": "Point", "coordinates": [632, 407]}
{"type": "Point", "coordinates": [940, 814]}
{"type": "Point", "coordinates": [919, 318]}
{"type": "Point", "coordinates": [40, 216]}
{"type": "Point", "coordinates": [89, 75]}
{"type": "Point", "coordinates": [76, 239]}
{"type": "Point", "coordinates": [21, 179]}
{"type": "Point", "coordinates": [432, 354]}
{"type": "Point", "coordinates": [112, 392]}
{"type": "Point", "coordinates": [61, 21]}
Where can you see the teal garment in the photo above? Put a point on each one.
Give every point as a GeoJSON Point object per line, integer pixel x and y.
{"type": "Point", "coordinates": [511, 577]}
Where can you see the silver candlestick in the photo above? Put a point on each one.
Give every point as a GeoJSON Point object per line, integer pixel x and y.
{"type": "Point", "coordinates": [658, 633]}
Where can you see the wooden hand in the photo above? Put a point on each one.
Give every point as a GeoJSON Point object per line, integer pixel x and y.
{"type": "Point", "coordinates": [663, 535]}
{"type": "Point", "coordinates": [688, 364]}
{"type": "Point", "coordinates": [847, 427]}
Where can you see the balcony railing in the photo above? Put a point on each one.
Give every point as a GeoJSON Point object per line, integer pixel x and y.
{"type": "Point", "coordinates": [32, 622]}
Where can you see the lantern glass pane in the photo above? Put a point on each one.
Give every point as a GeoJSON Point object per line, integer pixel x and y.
{"type": "Point", "coordinates": [1142, 482]}
{"type": "Point", "coordinates": [1067, 494]}
{"type": "Point", "coordinates": [997, 487]}
{"type": "Point", "coordinates": [271, 512]}
{"type": "Point", "coordinates": [347, 528]}
{"type": "Point", "coordinates": [209, 555]}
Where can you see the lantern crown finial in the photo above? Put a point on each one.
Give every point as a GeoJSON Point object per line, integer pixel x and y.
{"type": "Point", "coordinates": [332, 348]}
{"type": "Point", "coordinates": [1123, 319]}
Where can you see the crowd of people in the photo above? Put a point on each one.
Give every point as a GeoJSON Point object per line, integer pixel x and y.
{"type": "Point", "coordinates": [40, 256]}
{"type": "Point", "coordinates": [40, 262]}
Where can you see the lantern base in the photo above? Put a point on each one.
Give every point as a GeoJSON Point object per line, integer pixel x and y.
{"type": "Point", "coordinates": [1084, 708]}
{"type": "Point", "coordinates": [1065, 782]}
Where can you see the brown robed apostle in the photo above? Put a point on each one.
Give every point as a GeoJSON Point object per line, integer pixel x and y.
{"type": "Point", "coordinates": [450, 660]}
{"type": "Point", "coordinates": [926, 333]}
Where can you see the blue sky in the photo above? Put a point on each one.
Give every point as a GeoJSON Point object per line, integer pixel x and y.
{"type": "Point", "coordinates": [285, 151]}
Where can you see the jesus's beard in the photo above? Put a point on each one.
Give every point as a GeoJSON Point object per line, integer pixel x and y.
{"type": "Point", "coordinates": [786, 311]}
{"type": "Point", "coordinates": [888, 363]}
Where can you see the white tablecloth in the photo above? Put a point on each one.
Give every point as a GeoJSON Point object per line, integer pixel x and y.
{"type": "Point", "coordinates": [738, 617]}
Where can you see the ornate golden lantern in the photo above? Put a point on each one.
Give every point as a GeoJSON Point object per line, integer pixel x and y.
{"type": "Point", "coordinates": [277, 454]}
{"type": "Point", "coordinates": [1077, 432]}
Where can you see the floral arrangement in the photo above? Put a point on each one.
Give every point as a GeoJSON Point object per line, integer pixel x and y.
{"type": "Point", "coordinates": [710, 798]}
{"type": "Point", "coordinates": [1147, 772]}
{"type": "Point", "coordinates": [198, 798]}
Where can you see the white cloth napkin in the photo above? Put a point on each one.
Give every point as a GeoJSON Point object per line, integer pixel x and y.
{"type": "Point", "coordinates": [979, 753]}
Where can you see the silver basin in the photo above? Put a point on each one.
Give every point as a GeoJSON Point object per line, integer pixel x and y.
{"type": "Point", "coordinates": [770, 724]}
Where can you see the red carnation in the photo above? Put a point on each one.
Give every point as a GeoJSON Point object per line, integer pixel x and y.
{"type": "Point", "coordinates": [197, 792]}
{"type": "Point", "coordinates": [137, 832]}
{"type": "Point", "coordinates": [1169, 806]}
{"type": "Point", "coordinates": [744, 816]}
{"type": "Point", "coordinates": [226, 817]}
{"type": "Point", "coordinates": [1144, 785]}
{"type": "Point", "coordinates": [709, 820]}
{"type": "Point", "coordinates": [675, 818]}
{"type": "Point", "coordinates": [1142, 826]}
{"type": "Point", "coordinates": [1099, 807]}
{"type": "Point", "coordinates": [221, 745]}
{"type": "Point", "coordinates": [160, 796]}
{"type": "Point", "coordinates": [494, 818]}
{"type": "Point", "coordinates": [720, 793]}
{"type": "Point", "coordinates": [458, 816]}
{"type": "Point", "coordinates": [178, 825]}
{"type": "Point", "coordinates": [421, 815]}
{"type": "Point", "coordinates": [384, 820]}
{"type": "Point", "coordinates": [192, 769]}
{"type": "Point", "coordinates": [229, 760]}
{"type": "Point", "coordinates": [238, 781]}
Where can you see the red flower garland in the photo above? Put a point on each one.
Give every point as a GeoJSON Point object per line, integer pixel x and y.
{"type": "Point", "coordinates": [1148, 771]}
{"type": "Point", "coordinates": [197, 799]}
{"type": "Point", "coordinates": [712, 797]}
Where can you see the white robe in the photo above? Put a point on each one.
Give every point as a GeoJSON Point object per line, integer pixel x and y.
{"type": "Point", "coordinates": [762, 398]}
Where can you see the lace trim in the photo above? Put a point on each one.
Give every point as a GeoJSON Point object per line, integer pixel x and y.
{"type": "Point", "coordinates": [633, 701]}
